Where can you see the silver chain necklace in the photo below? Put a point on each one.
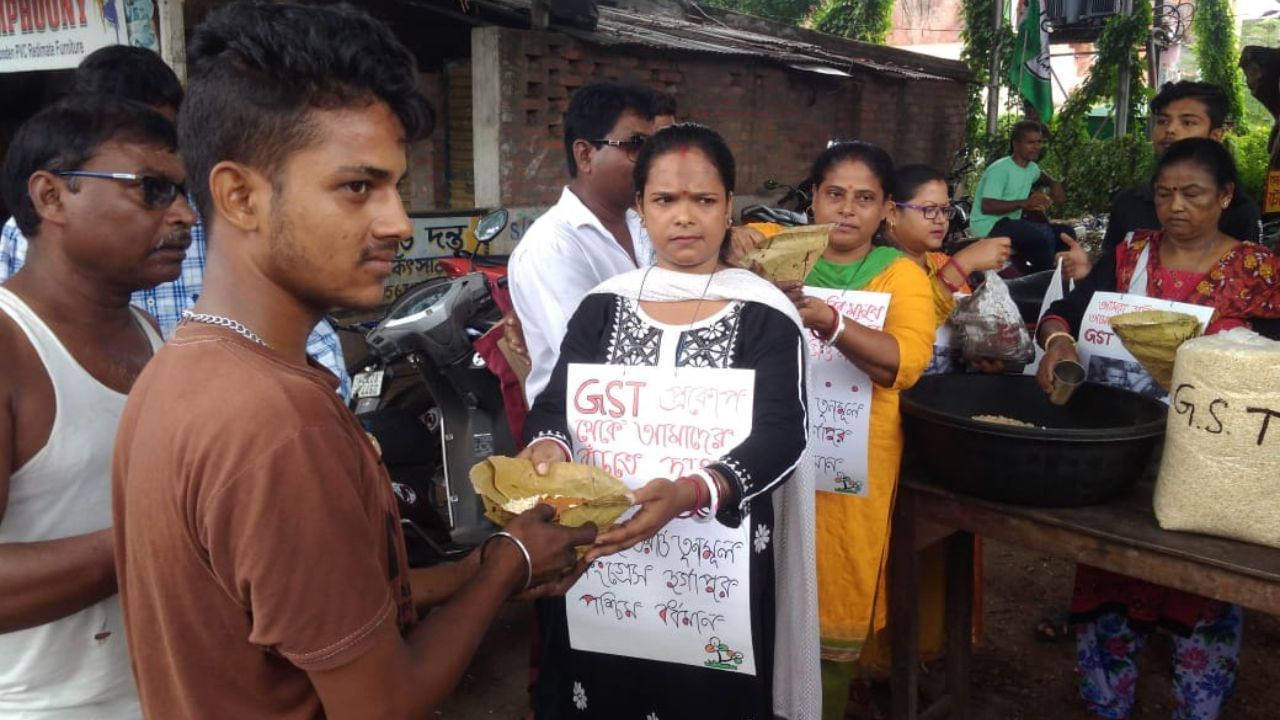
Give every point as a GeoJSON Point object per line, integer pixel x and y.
{"type": "Point", "coordinates": [223, 322]}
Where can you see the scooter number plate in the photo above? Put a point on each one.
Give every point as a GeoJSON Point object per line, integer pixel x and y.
{"type": "Point", "coordinates": [367, 384]}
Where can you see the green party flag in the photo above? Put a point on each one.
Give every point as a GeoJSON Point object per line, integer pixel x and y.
{"type": "Point", "coordinates": [1029, 71]}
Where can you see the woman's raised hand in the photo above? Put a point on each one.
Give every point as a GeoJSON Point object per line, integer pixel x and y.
{"type": "Point", "coordinates": [660, 501]}
{"type": "Point", "coordinates": [743, 241]}
{"type": "Point", "coordinates": [813, 312]}
{"type": "Point", "coordinates": [986, 254]}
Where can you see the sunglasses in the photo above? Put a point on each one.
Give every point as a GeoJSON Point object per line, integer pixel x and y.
{"type": "Point", "coordinates": [631, 146]}
{"type": "Point", "coordinates": [158, 193]}
{"type": "Point", "coordinates": [931, 212]}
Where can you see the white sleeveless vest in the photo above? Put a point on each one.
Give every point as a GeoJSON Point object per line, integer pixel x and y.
{"type": "Point", "coordinates": [76, 667]}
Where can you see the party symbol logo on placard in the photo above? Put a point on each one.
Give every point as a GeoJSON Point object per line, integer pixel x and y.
{"type": "Point", "coordinates": [725, 658]}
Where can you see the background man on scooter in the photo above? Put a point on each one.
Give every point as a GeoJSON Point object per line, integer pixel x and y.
{"type": "Point", "coordinates": [72, 347]}
{"type": "Point", "coordinates": [261, 566]}
{"type": "Point", "coordinates": [1004, 204]}
{"type": "Point", "coordinates": [139, 74]}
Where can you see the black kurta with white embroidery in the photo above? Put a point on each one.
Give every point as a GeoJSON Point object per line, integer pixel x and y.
{"type": "Point", "coordinates": [609, 329]}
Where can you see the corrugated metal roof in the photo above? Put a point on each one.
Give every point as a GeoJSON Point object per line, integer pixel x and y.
{"type": "Point", "coordinates": [618, 26]}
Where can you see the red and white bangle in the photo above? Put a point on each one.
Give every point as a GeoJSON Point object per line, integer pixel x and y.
{"type": "Point", "coordinates": [712, 508]}
{"type": "Point", "coordinates": [700, 495]}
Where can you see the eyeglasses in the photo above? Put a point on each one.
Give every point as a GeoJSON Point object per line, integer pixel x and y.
{"type": "Point", "coordinates": [158, 193]}
{"type": "Point", "coordinates": [631, 146]}
{"type": "Point", "coordinates": [931, 212]}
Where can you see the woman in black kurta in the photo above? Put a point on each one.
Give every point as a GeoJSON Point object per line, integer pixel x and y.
{"type": "Point", "coordinates": [764, 484]}
{"type": "Point", "coordinates": [610, 329]}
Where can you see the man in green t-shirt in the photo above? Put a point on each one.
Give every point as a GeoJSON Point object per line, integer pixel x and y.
{"type": "Point", "coordinates": [1005, 191]}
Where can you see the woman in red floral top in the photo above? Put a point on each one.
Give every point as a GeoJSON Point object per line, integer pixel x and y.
{"type": "Point", "coordinates": [1189, 260]}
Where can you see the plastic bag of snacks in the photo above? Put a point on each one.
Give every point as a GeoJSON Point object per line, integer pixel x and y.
{"type": "Point", "coordinates": [989, 325]}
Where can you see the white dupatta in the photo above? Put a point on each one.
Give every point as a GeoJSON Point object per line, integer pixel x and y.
{"type": "Point", "coordinates": [797, 688]}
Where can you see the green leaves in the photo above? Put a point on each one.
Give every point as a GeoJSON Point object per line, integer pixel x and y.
{"type": "Point", "coordinates": [865, 20]}
{"type": "Point", "coordinates": [1214, 25]}
{"type": "Point", "coordinates": [792, 12]}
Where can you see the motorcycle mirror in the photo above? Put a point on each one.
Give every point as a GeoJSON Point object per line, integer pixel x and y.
{"type": "Point", "coordinates": [490, 225]}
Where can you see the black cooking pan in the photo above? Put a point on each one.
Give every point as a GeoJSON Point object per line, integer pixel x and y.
{"type": "Point", "coordinates": [1088, 451]}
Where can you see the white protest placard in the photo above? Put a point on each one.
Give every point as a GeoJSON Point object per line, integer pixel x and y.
{"type": "Point", "coordinates": [840, 397]}
{"type": "Point", "coordinates": [1104, 356]}
{"type": "Point", "coordinates": [683, 596]}
{"type": "Point", "coordinates": [58, 34]}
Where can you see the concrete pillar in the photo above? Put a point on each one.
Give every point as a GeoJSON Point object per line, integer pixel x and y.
{"type": "Point", "coordinates": [486, 115]}
{"type": "Point", "coordinates": [173, 37]}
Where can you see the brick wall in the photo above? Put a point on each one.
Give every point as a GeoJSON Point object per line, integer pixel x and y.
{"type": "Point", "coordinates": [775, 120]}
{"type": "Point", "coordinates": [423, 190]}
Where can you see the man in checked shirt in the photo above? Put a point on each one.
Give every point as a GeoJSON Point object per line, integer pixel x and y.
{"type": "Point", "coordinates": [140, 75]}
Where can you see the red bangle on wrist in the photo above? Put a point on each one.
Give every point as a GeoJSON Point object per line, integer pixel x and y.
{"type": "Point", "coordinates": [835, 323]}
{"type": "Point", "coordinates": [700, 495]}
{"type": "Point", "coordinates": [951, 262]}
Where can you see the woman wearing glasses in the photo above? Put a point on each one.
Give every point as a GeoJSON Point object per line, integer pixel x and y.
{"type": "Point", "coordinates": [853, 190]}
{"type": "Point", "coordinates": [917, 225]}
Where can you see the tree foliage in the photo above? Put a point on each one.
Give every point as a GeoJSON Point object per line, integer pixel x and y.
{"type": "Point", "coordinates": [1121, 39]}
{"type": "Point", "coordinates": [792, 12]}
{"type": "Point", "coordinates": [1218, 51]}
{"type": "Point", "coordinates": [980, 40]}
{"type": "Point", "coordinates": [865, 20]}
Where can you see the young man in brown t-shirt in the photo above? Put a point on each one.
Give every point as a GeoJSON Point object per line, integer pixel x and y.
{"type": "Point", "coordinates": [261, 567]}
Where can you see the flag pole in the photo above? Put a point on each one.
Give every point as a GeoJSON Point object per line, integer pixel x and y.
{"type": "Point", "coordinates": [993, 85]}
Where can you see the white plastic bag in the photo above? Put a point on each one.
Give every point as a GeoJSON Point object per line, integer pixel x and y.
{"type": "Point", "coordinates": [1051, 296]}
{"type": "Point", "coordinates": [989, 325]}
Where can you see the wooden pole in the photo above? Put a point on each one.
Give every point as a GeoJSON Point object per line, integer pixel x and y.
{"type": "Point", "coordinates": [173, 37]}
{"type": "Point", "coordinates": [993, 82]}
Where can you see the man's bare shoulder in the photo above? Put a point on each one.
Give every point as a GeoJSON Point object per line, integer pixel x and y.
{"type": "Point", "coordinates": [16, 355]}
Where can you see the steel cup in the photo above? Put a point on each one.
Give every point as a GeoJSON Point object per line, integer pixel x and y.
{"type": "Point", "coordinates": [1067, 376]}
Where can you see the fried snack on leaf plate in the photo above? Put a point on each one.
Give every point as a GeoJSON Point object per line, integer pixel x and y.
{"type": "Point", "coordinates": [791, 254]}
{"type": "Point", "coordinates": [579, 493]}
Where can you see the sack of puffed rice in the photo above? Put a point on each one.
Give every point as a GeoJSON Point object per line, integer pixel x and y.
{"type": "Point", "coordinates": [1220, 474]}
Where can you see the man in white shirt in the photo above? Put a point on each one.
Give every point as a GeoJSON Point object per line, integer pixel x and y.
{"type": "Point", "coordinates": [593, 232]}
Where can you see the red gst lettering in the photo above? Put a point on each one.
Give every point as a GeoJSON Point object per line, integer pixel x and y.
{"type": "Point", "coordinates": [612, 401]}
{"type": "Point", "coordinates": [1098, 337]}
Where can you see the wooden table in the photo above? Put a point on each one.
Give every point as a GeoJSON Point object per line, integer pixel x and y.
{"type": "Point", "coordinates": [1121, 536]}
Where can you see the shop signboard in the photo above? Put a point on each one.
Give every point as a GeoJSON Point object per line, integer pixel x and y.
{"type": "Point", "coordinates": [58, 34]}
